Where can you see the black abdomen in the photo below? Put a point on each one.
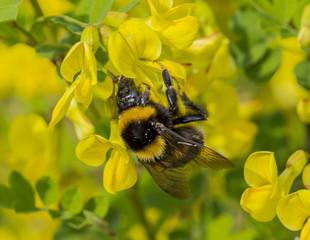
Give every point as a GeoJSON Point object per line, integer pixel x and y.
{"type": "Point", "coordinates": [137, 135]}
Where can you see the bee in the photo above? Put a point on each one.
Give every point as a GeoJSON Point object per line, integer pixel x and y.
{"type": "Point", "coordinates": [161, 138]}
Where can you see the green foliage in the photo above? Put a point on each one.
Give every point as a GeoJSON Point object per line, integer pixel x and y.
{"type": "Point", "coordinates": [99, 205]}
{"type": "Point", "coordinates": [72, 201]}
{"type": "Point", "coordinates": [47, 190]}
{"type": "Point", "coordinates": [6, 197]}
{"type": "Point", "coordinates": [23, 193]}
{"type": "Point", "coordinates": [302, 72]}
{"type": "Point", "coordinates": [8, 9]}
{"type": "Point", "coordinates": [94, 11]}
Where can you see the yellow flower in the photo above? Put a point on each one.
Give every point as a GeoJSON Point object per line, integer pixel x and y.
{"type": "Point", "coordinates": [120, 171]}
{"type": "Point", "coordinates": [36, 76]}
{"type": "Point", "coordinates": [32, 147]}
{"type": "Point", "coordinates": [132, 42]}
{"type": "Point", "coordinates": [284, 86]}
{"type": "Point", "coordinates": [79, 60]}
{"type": "Point", "coordinates": [306, 176]}
{"type": "Point", "coordinates": [266, 188]}
{"type": "Point", "coordinates": [226, 130]}
{"type": "Point", "coordinates": [293, 210]}
{"type": "Point", "coordinates": [175, 26]}
{"type": "Point", "coordinates": [303, 110]}
{"type": "Point", "coordinates": [82, 125]}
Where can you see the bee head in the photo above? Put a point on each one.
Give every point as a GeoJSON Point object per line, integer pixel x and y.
{"type": "Point", "coordinates": [127, 95]}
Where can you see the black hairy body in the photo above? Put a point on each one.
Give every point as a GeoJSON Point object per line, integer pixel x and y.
{"type": "Point", "coordinates": [168, 150]}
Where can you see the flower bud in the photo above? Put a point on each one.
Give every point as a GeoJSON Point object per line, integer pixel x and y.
{"type": "Point", "coordinates": [306, 176]}
{"type": "Point", "coordinates": [91, 36]}
{"type": "Point", "coordinates": [105, 32]}
{"type": "Point", "coordinates": [114, 19]}
{"type": "Point", "coordinates": [303, 110]}
{"type": "Point", "coordinates": [297, 162]}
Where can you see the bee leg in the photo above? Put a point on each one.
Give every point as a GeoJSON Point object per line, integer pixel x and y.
{"type": "Point", "coordinates": [200, 115]}
{"type": "Point", "coordinates": [146, 94]}
{"type": "Point", "coordinates": [171, 93]}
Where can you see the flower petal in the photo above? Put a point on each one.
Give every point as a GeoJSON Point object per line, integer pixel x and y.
{"type": "Point", "coordinates": [303, 110]}
{"type": "Point", "coordinates": [82, 125]}
{"type": "Point", "coordinates": [62, 105]}
{"type": "Point", "coordinates": [132, 41]}
{"type": "Point", "coordinates": [92, 150]}
{"type": "Point", "coordinates": [291, 210]}
{"type": "Point", "coordinates": [260, 169]}
{"type": "Point", "coordinates": [306, 176]}
{"type": "Point", "coordinates": [83, 91]}
{"type": "Point", "coordinates": [259, 203]}
{"type": "Point", "coordinates": [181, 33]}
{"type": "Point", "coordinates": [305, 232]}
{"type": "Point", "coordinates": [119, 173]}
{"type": "Point", "coordinates": [78, 58]}
{"type": "Point", "coordinates": [28, 135]}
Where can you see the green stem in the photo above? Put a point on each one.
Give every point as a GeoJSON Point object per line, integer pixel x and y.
{"type": "Point", "coordinates": [26, 33]}
{"type": "Point", "coordinates": [37, 7]}
{"type": "Point", "coordinates": [138, 205]}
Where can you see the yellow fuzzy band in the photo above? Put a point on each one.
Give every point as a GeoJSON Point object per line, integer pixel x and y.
{"type": "Point", "coordinates": [134, 114]}
{"type": "Point", "coordinates": [152, 150]}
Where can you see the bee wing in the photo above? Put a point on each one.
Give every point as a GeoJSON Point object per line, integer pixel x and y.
{"type": "Point", "coordinates": [206, 158]}
{"type": "Point", "coordinates": [172, 180]}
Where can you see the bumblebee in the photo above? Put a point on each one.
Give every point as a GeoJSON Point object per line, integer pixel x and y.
{"type": "Point", "coordinates": [167, 149]}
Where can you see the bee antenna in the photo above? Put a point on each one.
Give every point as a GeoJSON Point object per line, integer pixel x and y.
{"type": "Point", "coordinates": [114, 78]}
{"type": "Point", "coordinates": [161, 66]}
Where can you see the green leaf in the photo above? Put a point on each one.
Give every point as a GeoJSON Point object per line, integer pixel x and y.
{"type": "Point", "coordinates": [129, 6]}
{"type": "Point", "coordinates": [72, 200]}
{"type": "Point", "coordinates": [68, 23]}
{"type": "Point", "coordinates": [8, 10]}
{"type": "Point", "coordinates": [99, 10]}
{"type": "Point", "coordinates": [23, 193]}
{"type": "Point", "coordinates": [47, 190]}
{"type": "Point", "coordinates": [6, 197]}
{"type": "Point", "coordinates": [302, 72]}
{"type": "Point", "coordinates": [94, 219]}
{"type": "Point", "coordinates": [99, 205]}
{"type": "Point", "coordinates": [246, 58]}
{"type": "Point", "coordinates": [55, 214]}
{"type": "Point", "coordinates": [247, 25]}
{"type": "Point", "coordinates": [78, 222]}
{"type": "Point", "coordinates": [298, 11]}
{"type": "Point", "coordinates": [51, 51]}
{"type": "Point", "coordinates": [266, 67]}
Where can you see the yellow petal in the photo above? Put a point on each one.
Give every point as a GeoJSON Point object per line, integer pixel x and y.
{"type": "Point", "coordinates": [181, 33]}
{"type": "Point", "coordinates": [119, 173]}
{"type": "Point", "coordinates": [83, 91]}
{"type": "Point", "coordinates": [306, 176]}
{"type": "Point", "coordinates": [259, 203]}
{"type": "Point", "coordinates": [297, 161]}
{"type": "Point", "coordinates": [62, 105]}
{"type": "Point", "coordinates": [82, 125]}
{"type": "Point", "coordinates": [161, 5]}
{"type": "Point", "coordinates": [291, 210]}
{"type": "Point", "coordinates": [92, 150]}
{"type": "Point", "coordinates": [303, 110]}
{"type": "Point", "coordinates": [132, 41]}
{"type": "Point", "coordinates": [305, 232]}
{"type": "Point", "coordinates": [79, 57]}
{"type": "Point", "coordinates": [28, 135]}
{"type": "Point", "coordinates": [260, 169]}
